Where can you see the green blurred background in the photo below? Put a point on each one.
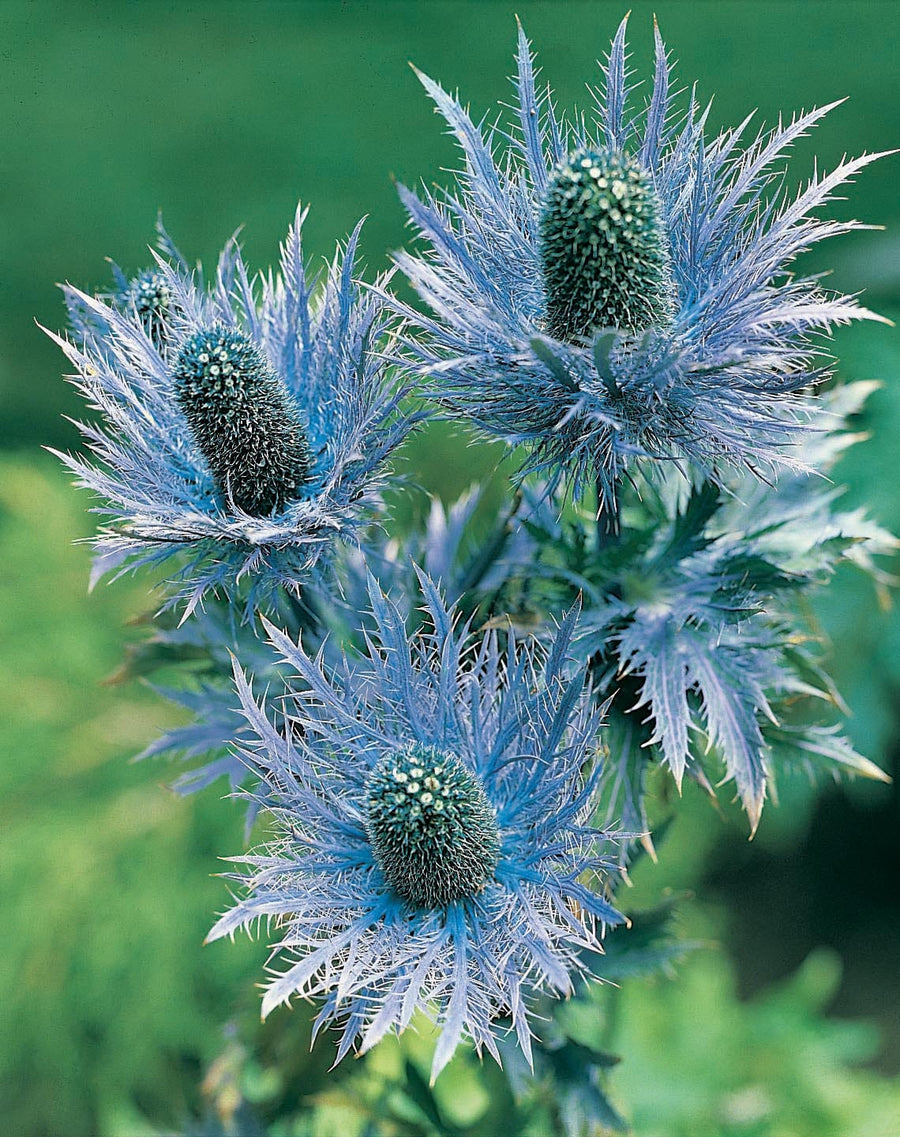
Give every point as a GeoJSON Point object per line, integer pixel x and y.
{"type": "Point", "coordinates": [223, 114]}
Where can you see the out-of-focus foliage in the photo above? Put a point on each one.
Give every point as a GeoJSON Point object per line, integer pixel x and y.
{"type": "Point", "coordinates": [106, 993]}
{"type": "Point", "coordinates": [691, 1059]}
{"type": "Point", "coordinates": [711, 1066]}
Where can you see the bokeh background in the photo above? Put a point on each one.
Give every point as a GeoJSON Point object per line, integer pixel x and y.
{"type": "Point", "coordinates": [223, 114]}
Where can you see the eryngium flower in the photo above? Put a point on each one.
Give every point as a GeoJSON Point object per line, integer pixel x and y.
{"type": "Point", "coordinates": [247, 473]}
{"type": "Point", "coordinates": [598, 334]}
{"type": "Point", "coordinates": [436, 849]}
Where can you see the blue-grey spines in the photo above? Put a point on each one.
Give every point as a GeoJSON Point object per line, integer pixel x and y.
{"type": "Point", "coordinates": [242, 419]}
{"type": "Point", "coordinates": [151, 296]}
{"type": "Point", "coordinates": [604, 247]}
{"type": "Point", "coordinates": [432, 829]}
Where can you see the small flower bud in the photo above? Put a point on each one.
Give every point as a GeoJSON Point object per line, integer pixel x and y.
{"type": "Point", "coordinates": [152, 299]}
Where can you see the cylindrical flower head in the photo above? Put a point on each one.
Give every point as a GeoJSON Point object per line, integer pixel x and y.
{"type": "Point", "coordinates": [604, 247]}
{"type": "Point", "coordinates": [437, 851]}
{"type": "Point", "coordinates": [432, 828]}
{"type": "Point", "coordinates": [242, 419]}
{"type": "Point", "coordinates": [616, 289]}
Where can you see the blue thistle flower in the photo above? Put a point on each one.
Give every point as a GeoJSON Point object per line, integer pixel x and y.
{"type": "Point", "coordinates": [245, 476]}
{"type": "Point", "coordinates": [436, 851]}
{"type": "Point", "coordinates": [600, 336]}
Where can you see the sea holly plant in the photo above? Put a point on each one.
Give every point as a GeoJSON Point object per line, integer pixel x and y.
{"type": "Point", "coordinates": [618, 288]}
{"type": "Point", "coordinates": [246, 425]}
{"type": "Point", "coordinates": [450, 734]}
{"type": "Point", "coordinates": [436, 851]}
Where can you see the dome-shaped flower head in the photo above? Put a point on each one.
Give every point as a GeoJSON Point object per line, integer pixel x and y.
{"type": "Point", "coordinates": [620, 287]}
{"type": "Point", "coordinates": [244, 425]}
{"type": "Point", "coordinates": [436, 854]}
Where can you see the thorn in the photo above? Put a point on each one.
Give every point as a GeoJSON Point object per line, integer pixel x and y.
{"type": "Point", "coordinates": [699, 776]}
{"type": "Point", "coordinates": [754, 812]}
{"type": "Point", "coordinates": [869, 770]}
{"type": "Point", "coordinates": [649, 848]}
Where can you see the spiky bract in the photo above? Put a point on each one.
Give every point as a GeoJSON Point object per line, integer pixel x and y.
{"type": "Point", "coordinates": [242, 419]}
{"type": "Point", "coordinates": [521, 725]}
{"type": "Point", "coordinates": [604, 248]}
{"type": "Point", "coordinates": [432, 829]}
{"type": "Point", "coordinates": [203, 649]}
{"type": "Point", "coordinates": [722, 384]}
{"type": "Point", "coordinates": [324, 337]}
{"type": "Point", "coordinates": [697, 622]}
